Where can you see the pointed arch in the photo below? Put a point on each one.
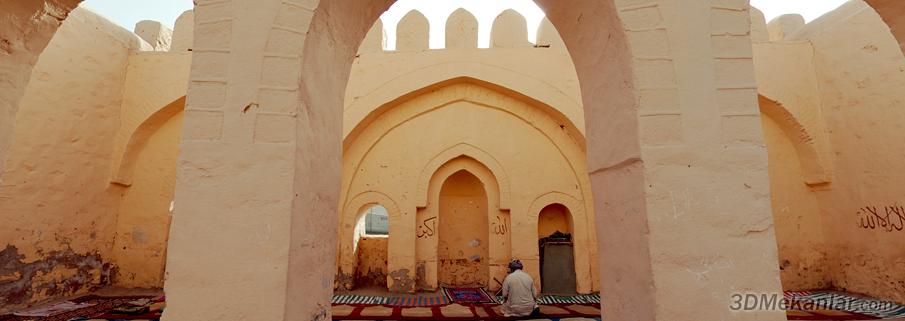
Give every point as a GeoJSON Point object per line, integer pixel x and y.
{"type": "Point", "coordinates": [124, 165]}
{"type": "Point", "coordinates": [351, 212]}
{"type": "Point", "coordinates": [452, 153]}
{"type": "Point", "coordinates": [814, 170]}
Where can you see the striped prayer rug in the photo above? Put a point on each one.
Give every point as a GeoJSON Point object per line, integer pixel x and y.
{"type": "Point", "coordinates": [358, 299]}
{"type": "Point", "coordinates": [577, 299]}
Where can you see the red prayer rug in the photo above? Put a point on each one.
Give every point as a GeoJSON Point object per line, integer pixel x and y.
{"type": "Point", "coordinates": [468, 295]}
{"type": "Point", "coordinates": [455, 312]}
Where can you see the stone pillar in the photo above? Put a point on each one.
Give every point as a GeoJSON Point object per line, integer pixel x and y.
{"type": "Point", "coordinates": [705, 192]}
{"type": "Point", "coordinates": [228, 252]}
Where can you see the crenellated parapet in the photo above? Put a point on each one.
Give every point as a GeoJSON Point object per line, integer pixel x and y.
{"type": "Point", "coordinates": [462, 29]}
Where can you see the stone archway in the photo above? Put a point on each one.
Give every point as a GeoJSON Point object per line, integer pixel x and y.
{"type": "Point", "coordinates": [557, 260]}
{"type": "Point", "coordinates": [272, 106]}
{"type": "Point", "coordinates": [346, 259]}
{"type": "Point", "coordinates": [265, 152]}
{"type": "Point", "coordinates": [814, 167]}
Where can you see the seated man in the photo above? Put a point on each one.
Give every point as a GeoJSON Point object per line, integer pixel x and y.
{"type": "Point", "coordinates": [518, 292]}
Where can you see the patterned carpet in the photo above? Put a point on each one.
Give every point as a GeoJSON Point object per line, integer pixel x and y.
{"type": "Point", "coordinates": [456, 311]}
{"type": "Point", "coordinates": [95, 308]}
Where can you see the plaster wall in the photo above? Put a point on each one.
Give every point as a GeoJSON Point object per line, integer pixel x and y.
{"type": "Point", "coordinates": [799, 156]}
{"type": "Point", "coordinates": [787, 76]}
{"type": "Point", "coordinates": [859, 68]}
{"type": "Point", "coordinates": [26, 28]}
{"type": "Point", "coordinates": [495, 136]}
{"type": "Point", "coordinates": [796, 215]}
{"type": "Point", "coordinates": [154, 81]}
{"type": "Point", "coordinates": [463, 231]}
{"type": "Point", "coordinates": [383, 77]}
{"type": "Point", "coordinates": [143, 221]}
{"type": "Point", "coordinates": [372, 262]}
{"type": "Point", "coordinates": [57, 206]}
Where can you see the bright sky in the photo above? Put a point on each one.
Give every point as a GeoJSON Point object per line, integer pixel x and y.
{"type": "Point", "coordinates": [127, 13]}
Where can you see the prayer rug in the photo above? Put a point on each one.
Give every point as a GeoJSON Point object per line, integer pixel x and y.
{"type": "Point", "coordinates": [95, 308]}
{"type": "Point", "coordinates": [417, 301]}
{"type": "Point", "coordinates": [456, 311]}
{"type": "Point", "coordinates": [468, 295]}
{"type": "Point", "coordinates": [58, 308]}
{"type": "Point", "coordinates": [358, 299]}
{"type": "Point", "coordinates": [585, 298]}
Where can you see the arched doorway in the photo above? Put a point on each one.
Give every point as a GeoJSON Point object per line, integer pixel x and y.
{"type": "Point", "coordinates": [557, 255]}
{"type": "Point", "coordinates": [463, 232]}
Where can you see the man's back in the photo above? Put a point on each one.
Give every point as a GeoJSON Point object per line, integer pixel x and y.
{"type": "Point", "coordinates": [518, 288]}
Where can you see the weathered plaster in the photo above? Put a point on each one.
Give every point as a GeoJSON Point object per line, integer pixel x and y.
{"type": "Point", "coordinates": [55, 200]}
{"type": "Point", "coordinates": [858, 64]}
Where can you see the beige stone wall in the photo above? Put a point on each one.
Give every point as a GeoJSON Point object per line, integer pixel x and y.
{"type": "Point", "coordinates": [859, 63]}
{"type": "Point", "coordinates": [830, 106]}
{"type": "Point", "coordinates": [26, 28]}
{"type": "Point", "coordinates": [94, 140]}
{"type": "Point", "coordinates": [371, 269]}
{"type": "Point", "coordinates": [58, 209]}
{"type": "Point", "coordinates": [405, 156]}
{"type": "Point", "coordinates": [154, 80]}
{"type": "Point", "coordinates": [463, 232]}
{"type": "Point", "coordinates": [143, 219]}
{"type": "Point", "coordinates": [796, 212]}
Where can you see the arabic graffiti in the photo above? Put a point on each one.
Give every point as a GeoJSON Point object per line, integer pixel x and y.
{"type": "Point", "coordinates": [427, 228]}
{"type": "Point", "coordinates": [500, 226]}
{"type": "Point", "coordinates": [889, 218]}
